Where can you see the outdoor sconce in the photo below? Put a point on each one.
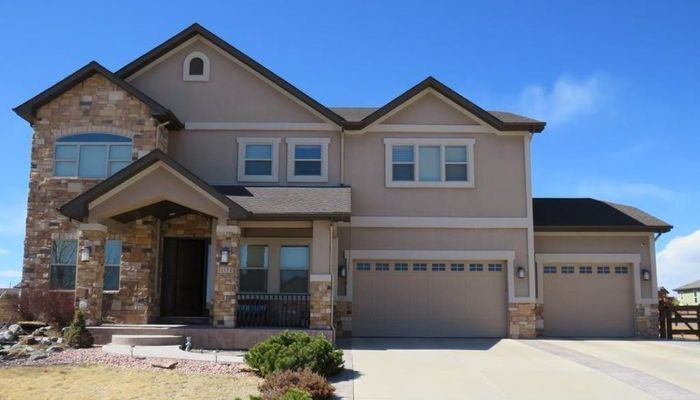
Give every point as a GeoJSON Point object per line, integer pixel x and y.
{"type": "Point", "coordinates": [85, 253]}
{"type": "Point", "coordinates": [342, 271]}
{"type": "Point", "coordinates": [521, 272]}
{"type": "Point", "coordinates": [646, 275]}
{"type": "Point", "coordinates": [224, 255]}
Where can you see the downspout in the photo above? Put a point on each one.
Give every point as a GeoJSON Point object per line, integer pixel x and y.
{"type": "Point", "coordinates": [342, 156]}
{"type": "Point", "coordinates": [333, 270]}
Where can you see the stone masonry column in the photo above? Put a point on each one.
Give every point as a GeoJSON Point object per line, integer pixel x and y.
{"type": "Point", "coordinates": [647, 321]}
{"type": "Point", "coordinates": [226, 274]}
{"type": "Point", "coordinates": [522, 320]}
{"type": "Point", "coordinates": [89, 275]}
{"type": "Point", "coordinates": [320, 279]}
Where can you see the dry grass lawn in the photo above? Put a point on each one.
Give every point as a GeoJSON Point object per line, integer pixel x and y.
{"type": "Point", "coordinates": [102, 382]}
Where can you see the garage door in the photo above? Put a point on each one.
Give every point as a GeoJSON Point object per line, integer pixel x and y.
{"type": "Point", "coordinates": [403, 298]}
{"type": "Point", "coordinates": [588, 300]}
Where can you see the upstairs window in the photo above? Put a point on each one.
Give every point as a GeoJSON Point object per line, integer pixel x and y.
{"type": "Point", "coordinates": [307, 159]}
{"type": "Point", "coordinates": [258, 159]}
{"type": "Point", "coordinates": [196, 67]}
{"type": "Point", "coordinates": [91, 155]}
{"type": "Point", "coordinates": [429, 162]}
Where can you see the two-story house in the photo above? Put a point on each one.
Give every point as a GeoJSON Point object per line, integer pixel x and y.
{"type": "Point", "coordinates": [196, 185]}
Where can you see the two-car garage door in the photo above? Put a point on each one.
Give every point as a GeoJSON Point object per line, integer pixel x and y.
{"type": "Point", "coordinates": [588, 300]}
{"type": "Point", "coordinates": [423, 298]}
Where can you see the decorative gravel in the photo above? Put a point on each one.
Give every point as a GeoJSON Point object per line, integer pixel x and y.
{"type": "Point", "coordinates": [97, 356]}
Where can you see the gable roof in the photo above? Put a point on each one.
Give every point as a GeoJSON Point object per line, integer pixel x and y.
{"type": "Point", "coordinates": [28, 109]}
{"type": "Point", "coordinates": [689, 286]}
{"type": "Point", "coordinates": [586, 214]}
{"type": "Point", "coordinates": [196, 29]}
{"type": "Point", "coordinates": [78, 207]}
{"type": "Point", "coordinates": [356, 114]}
{"type": "Point", "coordinates": [499, 120]}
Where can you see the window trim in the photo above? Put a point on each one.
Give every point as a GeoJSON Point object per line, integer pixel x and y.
{"type": "Point", "coordinates": [415, 142]}
{"type": "Point", "coordinates": [186, 68]}
{"type": "Point", "coordinates": [78, 145]}
{"type": "Point", "coordinates": [317, 141]}
{"type": "Point", "coordinates": [245, 141]}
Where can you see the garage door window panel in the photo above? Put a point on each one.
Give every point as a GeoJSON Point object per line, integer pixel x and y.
{"type": "Point", "coordinates": [567, 269]}
{"type": "Point", "coordinates": [400, 267]}
{"type": "Point", "coordinates": [548, 269]}
{"type": "Point", "coordinates": [495, 268]}
{"type": "Point", "coordinates": [438, 267]}
{"type": "Point", "coordinates": [585, 270]}
{"type": "Point", "coordinates": [476, 267]}
{"type": "Point", "coordinates": [364, 266]}
{"type": "Point", "coordinates": [457, 267]}
{"type": "Point", "coordinates": [621, 270]}
{"type": "Point", "coordinates": [603, 270]}
{"type": "Point", "coordinates": [420, 267]}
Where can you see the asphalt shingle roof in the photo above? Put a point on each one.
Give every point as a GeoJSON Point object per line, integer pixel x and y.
{"type": "Point", "coordinates": [301, 201]}
{"type": "Point", "coordinates": [689, 286]}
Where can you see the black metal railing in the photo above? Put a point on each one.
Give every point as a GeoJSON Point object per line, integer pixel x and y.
{"type": "Point", "coordinates": [272, 310]}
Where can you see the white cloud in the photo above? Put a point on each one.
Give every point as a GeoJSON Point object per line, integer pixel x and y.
{"type": "Point", "coordinates": [616, 191]}
{"type": "Point", "coordinates": [11, 273]}
{"type": "Point", "coordinates": [568, 99]}
{"type": "Point", "coordinates": [4, 252]}
{"type": "Point", "coordinates": [679, 262]}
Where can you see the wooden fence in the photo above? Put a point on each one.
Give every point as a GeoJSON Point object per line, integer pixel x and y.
{"type": "Point", "coordinates": [678, 321]}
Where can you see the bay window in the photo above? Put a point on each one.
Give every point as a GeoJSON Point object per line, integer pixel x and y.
{"type": "Point", "coordinates": [429, 162]}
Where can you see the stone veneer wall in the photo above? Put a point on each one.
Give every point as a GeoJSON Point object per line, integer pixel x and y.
{"type": "Point", "coordinates": [342, 317]}
{"type": "Point", "coordinates": [321, 310]}
{"type": "Point", "coordinates": [522, 320]}
{"type": "Point", "coordinates": [89, 275]}
{"type": "Point", "coordinates": [94, 105]}
{"type": "Point", "coordinates": [226, 274]}
{"type": "Point", "coordinates": [647, 321]}
{"type": "Point", "coordinates": [193, 226]}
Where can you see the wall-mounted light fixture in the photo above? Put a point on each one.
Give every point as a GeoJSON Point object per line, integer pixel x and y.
{"type": "Point", "coordinates": [646, 275]}
{"type": "Point", "coordinates": [224, 255]}
{"type": "Point", "coordinates": [85, 253]}
{"type": "Point", "coordinates": [342, 271]}
{"type": "Point", "coordinates": [521, 272]}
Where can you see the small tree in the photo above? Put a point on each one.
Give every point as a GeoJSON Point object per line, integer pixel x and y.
{"type": "Point", "coordinates": [77, 335]}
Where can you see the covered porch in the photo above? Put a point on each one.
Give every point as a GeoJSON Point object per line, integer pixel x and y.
{"type": "Point", "coordinates": [194, 254]}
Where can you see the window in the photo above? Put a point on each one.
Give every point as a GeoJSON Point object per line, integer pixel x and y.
{"type": "Point", "coordinates": [63, 260]}
{"type": "Point", "coordinates": [254, 264]}
{"type": "Point", "coordinates": [550, 270]}
{"type": "Point", "coordinates": [420, 267]}
{"type": "Point", "coordinates": [400, 267]}
{"type": "Point", "coordinates": [603, 270]}
{"type": "Point", "coordinates": [363, 266]}
{"type": "Point", "coordinates": [91, 155]}
{"type": "Point", "coordinates": [307, 159]}
{"type": "Point", "coordinates": [495, 268]}
{"type": "Point", "coordinates": [258, 159]}
{"type": "Point", "coordinates": [294, 269]}
{"type": "Point", "coordinates": [113, 257]}
{"type": "Point", "coordinates": [456, 267]}
{"type": "Point", "coordinates": [381, 266]}
{"type": "Point", "coordinates": [567, 270]}
{"type": "Point", "coordinates": [429, 162]}
{"type": "Point", "coordinates": [438, 267]}
{"type": "Point", "coordinates": [476, 267]}
{"type": "Point", "coordinates": [585, 270]}
{"type": "Point", "coordinates": [621, 270]}
{"type": "Point", "coordinates": [195, 67]}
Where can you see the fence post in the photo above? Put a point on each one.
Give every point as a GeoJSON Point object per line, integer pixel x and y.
{"type": "Point", "coordinates": [697, 321]}
{"type": "Point", "coordinates": [662, 320]}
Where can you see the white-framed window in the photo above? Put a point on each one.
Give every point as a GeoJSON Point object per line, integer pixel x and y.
{"type": "Point", "coordinates": [307, 159]}
{"type": "Point", "coordinates": [258, 159]}
{"type": "Point", "coordinates": [549, 269]}
{"type": "Point", "coordinates": [294, 269]}
{"type": "Point", "coordinates": [195, 67]}
{"type": "Point", "coordinates": [64, 259]}
{"type": "Point", "coordinates": [423, 162]}
{"type": "Point", "coordinates": [255, 260]}
{"type": "Point", "coordinates": [91, 155]}
{"type": "Point", "coordinates": [113, 257]}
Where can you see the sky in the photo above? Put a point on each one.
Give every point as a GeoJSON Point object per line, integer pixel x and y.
{"type": "Point", "coordinates": [618, 83]}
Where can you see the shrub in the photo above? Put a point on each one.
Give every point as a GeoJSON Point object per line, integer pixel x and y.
{"type": "Point", "coordinates": [294, 351]}
{"type": "Point", "coordinates": [41, 304]}
{"type": "Point", "coordinates": [77, 334]}
{"type": "Point", "coordinates": [295, 394]}
{"type": "Point", "coordinates": [279, 383]}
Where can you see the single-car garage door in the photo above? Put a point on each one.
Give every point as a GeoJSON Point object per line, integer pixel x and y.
{"type": "Point", "coordinates": [588, 300]}
{"type": "Point", "coordinates": [404, 298]}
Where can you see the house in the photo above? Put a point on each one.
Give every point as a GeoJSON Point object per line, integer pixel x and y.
{"type": "Point", "coordinates": [195, 185]}
{"type": "Point", "coordinates": [689, 294]}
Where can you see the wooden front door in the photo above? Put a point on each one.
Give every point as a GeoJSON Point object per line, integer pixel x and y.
{"type": "Point", "coordinates": [184, 274]}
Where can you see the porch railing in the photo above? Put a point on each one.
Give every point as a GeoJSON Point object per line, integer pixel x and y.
{"type": "Point", "coordinates": [272, 310]}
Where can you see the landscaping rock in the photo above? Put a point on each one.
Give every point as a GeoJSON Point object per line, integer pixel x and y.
{"type": "Point", "coordinates": [54, 349]}
{"type": "Point", "coordinates": [46, 341]}
{"type": "Point", "coordinates": [31, 326]}
{"type": "Point", "coordinates": [164, 364]}
{"type": "Point", "coordinates": [28, 340]}
{"type": "Point", "coordinates": [15, 329]}
{"type": "Point", "coordinates": [37, 355]}
{"type": "Point", "coordinates": [7, 337]}
{"type": "Point", "coordinates": [41, 331]}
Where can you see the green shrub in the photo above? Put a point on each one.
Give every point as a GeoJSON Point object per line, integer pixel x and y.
{"type": "Point", "coordinates": [294, 351]}
{"type": "Point", "coordinates": [295, 394]}
{"type": "Point", "coordinates": [77, 335]}
{"type": "Point", "coordinates": [279, 383]}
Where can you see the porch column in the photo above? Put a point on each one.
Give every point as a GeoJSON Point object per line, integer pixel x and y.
{"type": "Point", "coordinates": [226, 275]}
{"type": "Point", "coordinates": [89, 274]}
{"type": "Point", "coordinates": [320, 280]}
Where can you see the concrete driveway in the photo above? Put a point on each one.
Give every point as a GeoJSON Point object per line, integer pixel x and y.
{"type": "Point", "coordinates": [521, 369]}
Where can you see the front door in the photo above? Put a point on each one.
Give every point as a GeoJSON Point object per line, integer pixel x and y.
{"type": "Point", "coordinates": [183, 287]}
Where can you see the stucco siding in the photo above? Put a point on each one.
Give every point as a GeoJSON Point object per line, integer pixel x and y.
{"type": "Point", "coordinates": [429, 109]}
{"type": "Point", "coordinates": [232, 94]}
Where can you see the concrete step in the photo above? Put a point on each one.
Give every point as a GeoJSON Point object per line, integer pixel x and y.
{"type": "Point", "coordinates": [148, 340]}
{"type": "Point", "coordinates": [183, 320]}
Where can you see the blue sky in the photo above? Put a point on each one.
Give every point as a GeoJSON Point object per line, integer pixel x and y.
{"type": "Point", "coordinates": [617, 82]}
